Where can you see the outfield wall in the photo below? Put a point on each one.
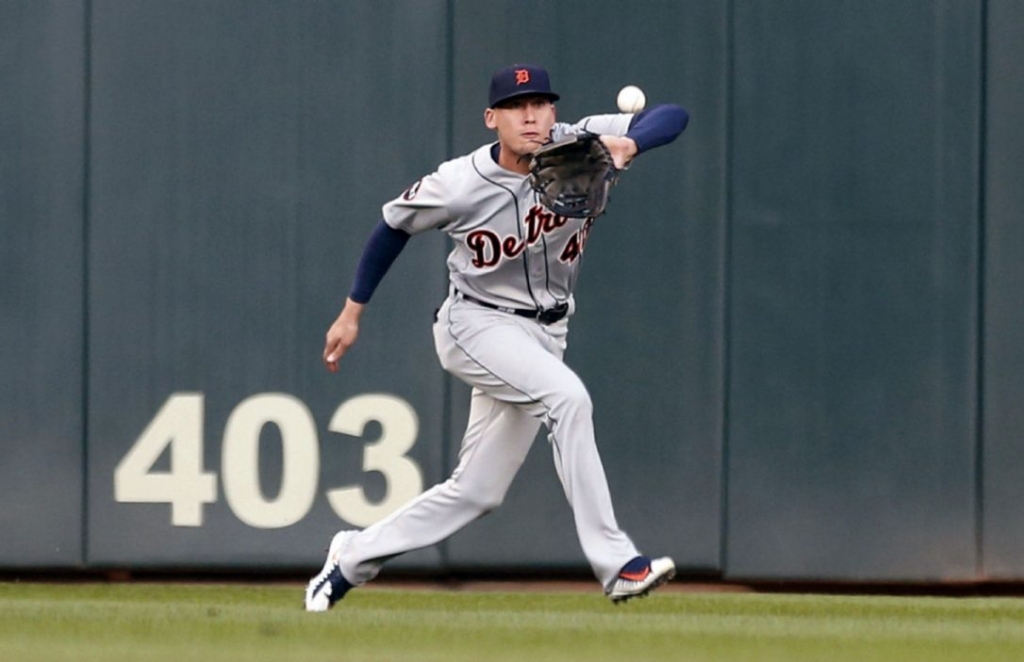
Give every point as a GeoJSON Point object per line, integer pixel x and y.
{"type": "Point", "coordinates": [799, 324]}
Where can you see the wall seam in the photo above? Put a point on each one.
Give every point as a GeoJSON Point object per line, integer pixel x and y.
{"type": "Point", "coordinates": [86, 185]}
{"type": "Point", "coordinates": [449, 132]}
{"type": "Point", "coordinates": [979, 418]}
{"type": "Point", "coordinates": [726, 319]}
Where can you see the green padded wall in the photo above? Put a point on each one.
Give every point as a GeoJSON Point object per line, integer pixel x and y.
{"type": "Point", "coordinates": [799, 324]}
{"type": "Point", "coordinates": [1003, 393]}
{"type": "Point", "coordinates": [238, 167]}
{"type": "Point", "coordinates": [853, 271]}
{"type": "Point", "coordinates": [42, 230]}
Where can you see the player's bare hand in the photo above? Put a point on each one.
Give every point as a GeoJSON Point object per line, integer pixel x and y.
{"type": "Point", "coordinates": [342, 334]}
{"type": "Point", "coordinates": [622, 149]}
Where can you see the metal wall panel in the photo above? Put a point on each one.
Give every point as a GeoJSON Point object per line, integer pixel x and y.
{"type": "Point", "coordinates": [41, 293]}
{"type": "Point", "coordinates": [238, 168]}
{"type": "Point", "coordinates": [647, 337]}
{"type": "Point", "coordinates": [1003, 416]}
{"type": "Point", "coordinates": [853, 270]}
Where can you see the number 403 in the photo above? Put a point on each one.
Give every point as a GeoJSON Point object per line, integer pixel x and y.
{"type": "Point", "coordinates": [178, 429]}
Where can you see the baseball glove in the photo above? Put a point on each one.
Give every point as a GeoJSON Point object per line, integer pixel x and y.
{"type": "Point", "coordinates": [573, 176]}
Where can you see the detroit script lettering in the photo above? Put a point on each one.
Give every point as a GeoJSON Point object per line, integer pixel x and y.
{"type": "Point", "coordinates": [489, 248]}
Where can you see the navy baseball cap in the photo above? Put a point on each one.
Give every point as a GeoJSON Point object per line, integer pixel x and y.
{"type": "Point", "coordinates": [520, 80]}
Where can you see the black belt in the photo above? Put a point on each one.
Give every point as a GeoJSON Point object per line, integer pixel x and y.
{"type": "Point", "coordinates": [544, 316]}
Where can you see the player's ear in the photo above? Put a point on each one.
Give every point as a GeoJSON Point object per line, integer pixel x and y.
{"type": "Point", "coordinates": [489, 120]}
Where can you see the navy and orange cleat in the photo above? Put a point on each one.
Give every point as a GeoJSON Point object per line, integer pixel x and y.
{"type": "Point", "coordinates": [641, 576]}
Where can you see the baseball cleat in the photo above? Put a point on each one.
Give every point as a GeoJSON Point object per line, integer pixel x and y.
{"type": "Point", "coordinates": [641, 576]}
{"type": "Point", "coordinates": [329, 585]}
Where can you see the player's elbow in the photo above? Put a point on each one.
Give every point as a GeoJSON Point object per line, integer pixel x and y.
{"type": "Point", "coordinates": [678, 117]}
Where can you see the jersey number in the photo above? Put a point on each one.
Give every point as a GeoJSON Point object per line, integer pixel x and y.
{"type": "Point", "coordinates": [577, 242]}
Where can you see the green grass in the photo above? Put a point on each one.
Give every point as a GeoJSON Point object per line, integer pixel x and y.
{"type": "Point", "coordinates": [181, 623]}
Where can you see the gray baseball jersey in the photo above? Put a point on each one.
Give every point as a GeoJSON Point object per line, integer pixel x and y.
{"type": "Point", "coordinates": [509, 249]}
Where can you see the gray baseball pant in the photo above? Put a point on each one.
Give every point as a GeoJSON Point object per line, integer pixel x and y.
{"type": "Point", "coordinates": [519, 381]}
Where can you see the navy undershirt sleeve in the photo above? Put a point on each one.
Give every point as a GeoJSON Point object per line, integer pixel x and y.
{"type": "Point", "coordinates": [383, 246]}
{"type": "Point", "coordinates": [657, 126]}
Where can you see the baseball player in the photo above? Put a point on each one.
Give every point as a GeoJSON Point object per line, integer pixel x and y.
{"type": "Point", "coordinates": [502, 329]}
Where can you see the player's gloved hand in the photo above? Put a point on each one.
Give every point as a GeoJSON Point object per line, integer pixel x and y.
{"type": "Point", "coordinates": [342, 334]}
{"type": "Point", "coordinates": [621, 148]}
{"type": "Point", "coordinates": [572, 176]}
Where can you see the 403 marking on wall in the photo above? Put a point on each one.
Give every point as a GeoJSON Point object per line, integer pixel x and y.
{"type": "Point", "coordinates": [177, 429]}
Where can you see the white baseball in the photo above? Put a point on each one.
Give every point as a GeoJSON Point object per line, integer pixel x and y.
{"type": "Point", "coordinates": [631, 99]}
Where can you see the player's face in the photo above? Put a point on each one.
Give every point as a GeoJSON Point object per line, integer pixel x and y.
{"type": "Point", "coordinates": [523, 124]}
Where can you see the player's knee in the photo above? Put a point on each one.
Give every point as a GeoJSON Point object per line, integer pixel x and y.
{"type": "Point", "coordinates": [577, 399]}
{"type": "Point", "coordinates": [482, 498]}
{"type": "Point", "coordinates": [485, 503]}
